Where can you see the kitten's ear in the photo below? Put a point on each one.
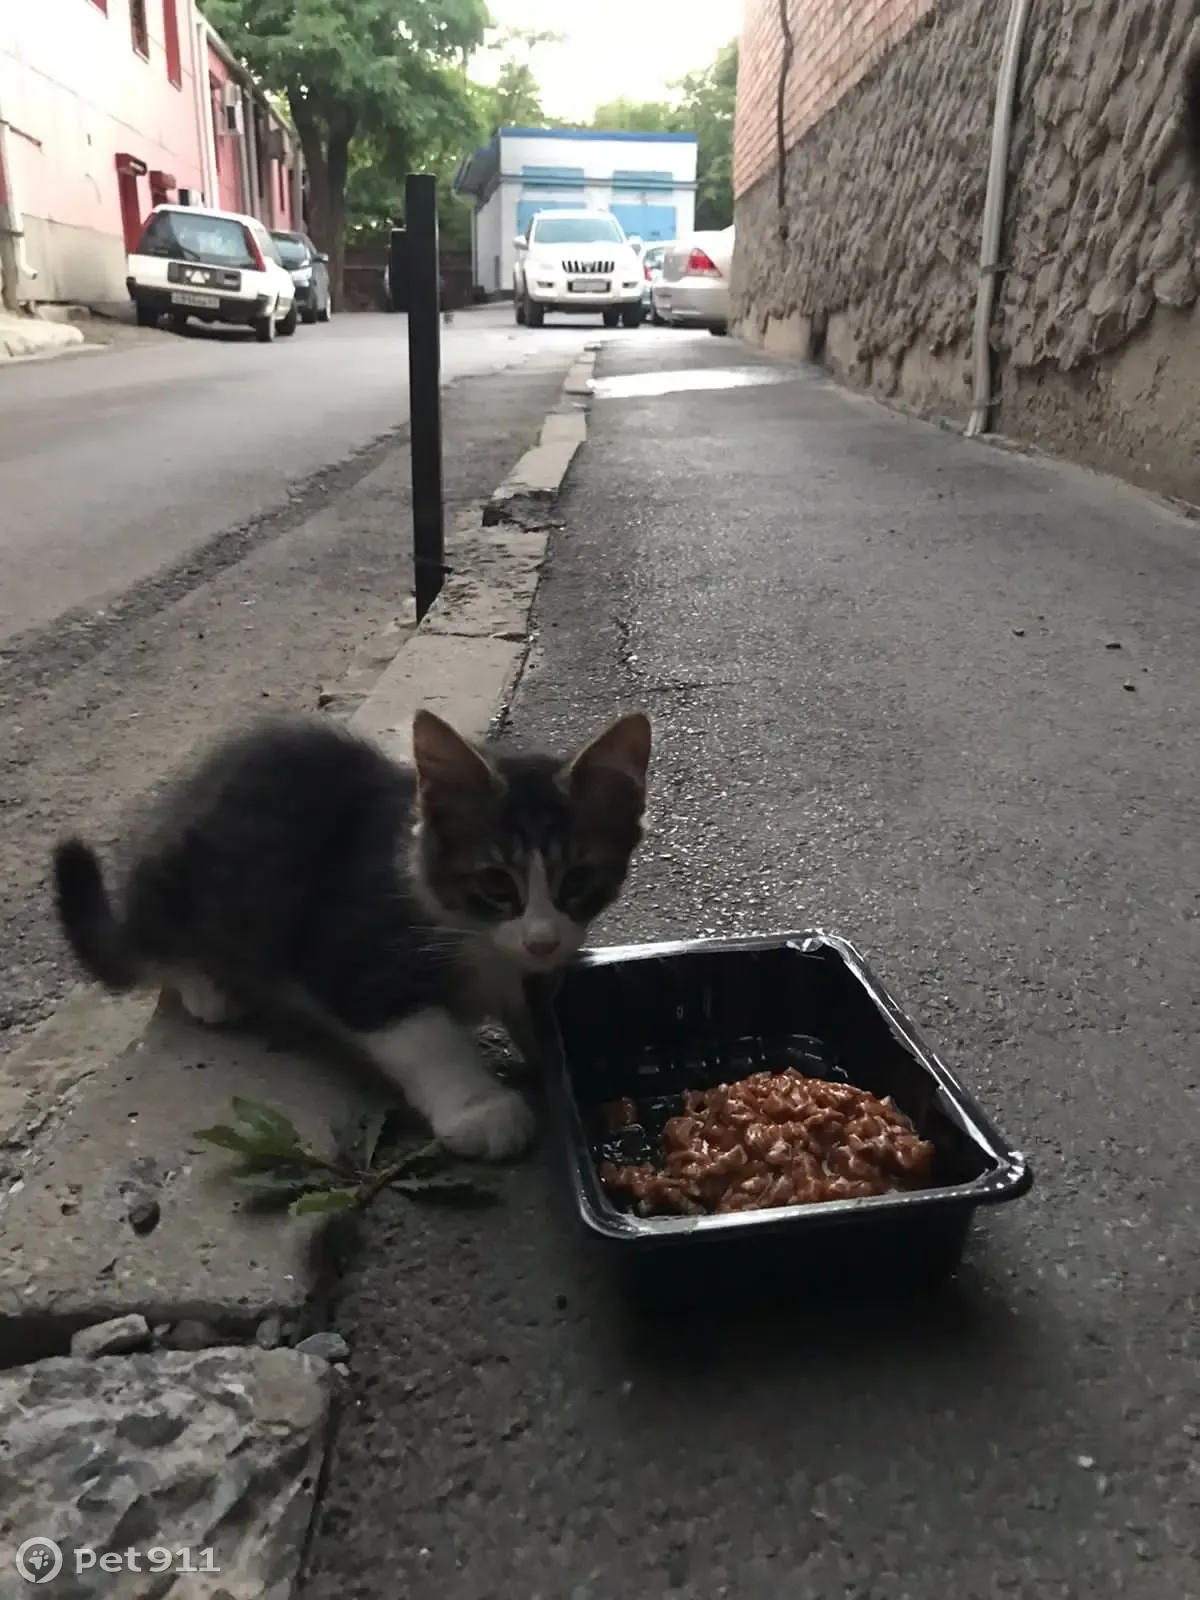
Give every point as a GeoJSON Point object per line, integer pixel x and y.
{"type": "Point", "coordinates": [445, 760]}
{"type": "Point", "coordinates": [624, 749]}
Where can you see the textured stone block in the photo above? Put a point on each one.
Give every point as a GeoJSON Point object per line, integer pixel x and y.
{"type": "Point", "coordinates": [217, 1450]}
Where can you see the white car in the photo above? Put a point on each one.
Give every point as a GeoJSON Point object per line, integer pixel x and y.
{"type": "Point", "coordinates": [577, 261]}
{"type": "Point", "coordinates": [217, 266]}
{"type": "Point", "coordinates": [693, 290]}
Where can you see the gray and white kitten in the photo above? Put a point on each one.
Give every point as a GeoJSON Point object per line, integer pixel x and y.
{"type": "Point", "coordinates": [298, 874]}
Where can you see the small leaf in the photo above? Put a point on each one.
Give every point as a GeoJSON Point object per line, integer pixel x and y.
{"type": "Point", "coordinates": [226, 1138]}
{"type": "Point", "coordinates": [279, 1165]}
{"type": "Point", "coordinates": [449, 1189]}
{"type": "Point", "coordinates": [319, 1200]}
{"type": "Point", "coordinates": [271, 1202]}
{"type": "Point", "coordinates": [266, 1123]}
{"type": "Point", "coordinates": [291, 1180]}
{"type": "Point", "coordinates": [418, 1160]}
{"type": "Point", "coordinates": [371, 1130]}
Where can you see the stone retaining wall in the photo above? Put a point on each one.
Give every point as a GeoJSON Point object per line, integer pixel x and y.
{"type": "Point", "coordinates": [875, 267]}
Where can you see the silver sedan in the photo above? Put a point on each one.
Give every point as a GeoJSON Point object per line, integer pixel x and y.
{"type": "Point", "coordinates": [693, 290]}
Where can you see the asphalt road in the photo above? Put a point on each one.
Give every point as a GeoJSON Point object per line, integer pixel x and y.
{"type": "Point", "coordinates": [195, 529]}
{"type": "Point", "coordinates": [945, 699]}
{"type": "Point", "coordinates": [112, 465]}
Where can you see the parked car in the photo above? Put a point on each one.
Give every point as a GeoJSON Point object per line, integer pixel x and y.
{"type": "Point", "coordinates": [577, 261]}
{"type": "Point", "coordinates": [652, 259]}
{"type": "Point", "coordinates": [216, 266]}
{"type": "Point", "coordinates": [693, 290]}
{"type": "Point", "coordinates": [309, 268]}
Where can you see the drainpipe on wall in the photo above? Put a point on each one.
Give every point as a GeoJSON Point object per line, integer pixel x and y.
{"type": "Point", "coordinates": [297, 184]}
{"type": "Point", "coordinates": [208, 138]}
{"type": "Point", "coordinates": [14, 263]}
{"type": "Point", "coordinates": [248, 114]}
{"type": "Point", "coordinates": [993, 217]}
{"type": "Point", "coordinates": [243, 150]}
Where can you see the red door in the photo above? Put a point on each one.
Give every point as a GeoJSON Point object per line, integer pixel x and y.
{"type": "Point", "coordinates": [129, 170]}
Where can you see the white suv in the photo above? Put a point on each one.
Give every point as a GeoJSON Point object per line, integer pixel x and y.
{"type": "Point", "coordinates": [218, 266]}
{"type": "Point", "coordinates": [577, 261]}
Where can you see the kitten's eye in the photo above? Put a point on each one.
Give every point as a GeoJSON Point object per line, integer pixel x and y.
{"type": "Point", "coordinates": [496, 887]}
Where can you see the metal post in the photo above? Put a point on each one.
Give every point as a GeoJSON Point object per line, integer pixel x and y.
{"type": "Point", "coordinates": [424, 388]}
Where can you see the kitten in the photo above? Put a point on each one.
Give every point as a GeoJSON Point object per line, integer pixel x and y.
{"type": "Point", "coordinates": [298, 874]}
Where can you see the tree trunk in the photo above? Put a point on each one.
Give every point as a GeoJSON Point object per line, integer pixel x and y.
{"type": "Point", "coordinates": [339, 168]}
{"type": "Point", "coordinates": [327, 160]}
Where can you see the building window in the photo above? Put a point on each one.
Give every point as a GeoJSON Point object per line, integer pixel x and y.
{"type": "Point", "coordinates": [139, 28]}
{"type": "Point", "coordinates": [171, 42]}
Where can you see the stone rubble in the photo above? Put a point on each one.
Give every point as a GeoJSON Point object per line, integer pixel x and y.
{"type": "Point", "coordinates": [212, 1450]}
{"type": "Point", "coordinates": [113, 1338]}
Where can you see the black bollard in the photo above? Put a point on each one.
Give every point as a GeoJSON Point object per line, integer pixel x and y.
{"type": "Point", "coordinates": [424, 388]}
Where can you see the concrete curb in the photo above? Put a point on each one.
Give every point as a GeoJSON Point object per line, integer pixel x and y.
{"type": "Point", "coordinates": [90, 1103]}
{"type": "Point", "coordinates": [35, 338]}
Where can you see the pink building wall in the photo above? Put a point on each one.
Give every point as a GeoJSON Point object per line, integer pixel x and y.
{"type": "Point", "coordinates": [78, 92]}
{"type": "Point", "coordinates": [235, 154]}
{"type": "Point", "coordinates": [226, 146]}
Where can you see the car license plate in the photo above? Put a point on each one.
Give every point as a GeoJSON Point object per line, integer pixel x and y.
{"type": "Point", "coordinates": [202, 302]}
{"type": "Point", "coordinates": [588, 285]}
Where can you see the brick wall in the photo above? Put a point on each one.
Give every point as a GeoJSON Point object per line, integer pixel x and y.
{"type": "Point", "coordinates": [835, 43]}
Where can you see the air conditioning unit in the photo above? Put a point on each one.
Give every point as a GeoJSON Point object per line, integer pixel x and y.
{"type": "Point", "coordinates": [277, 148]}
{"type": "Point", "coordinates": [231, 95]}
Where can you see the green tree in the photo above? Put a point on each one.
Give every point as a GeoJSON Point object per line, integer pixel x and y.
{"type": "Point", "coordinates": [637, 116]}
{"type": "Point", "coordinates": [706, 104]}
{"type": "Point", "coordinates": [515, 99]}
{"type": "Point", "coordinates": [384, 76]}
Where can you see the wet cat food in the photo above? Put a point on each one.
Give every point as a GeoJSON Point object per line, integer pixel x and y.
{"type": "Point", "coordinates": [772, 1139]}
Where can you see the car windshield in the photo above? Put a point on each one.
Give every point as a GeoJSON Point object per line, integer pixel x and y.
{"type": "Point", "coordinates": [576, 230]}
{"type": "Point", "coordinates": [194, 236]}
{"type": "Point", "coordinates": [292, 252]}
{"type": "Point", "coordinates": [653, 256]}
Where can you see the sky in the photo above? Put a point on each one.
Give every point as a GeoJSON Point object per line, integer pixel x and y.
{"type": "Point", "coordinates": [614, 49]}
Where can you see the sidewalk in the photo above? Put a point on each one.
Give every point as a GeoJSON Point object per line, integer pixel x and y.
{"type": "Point", "coordinates": [120, 1233]}
{"type": "Point", "coordinates": [945, 699]}
{"type": "Point", "coordinates": [30, 338]}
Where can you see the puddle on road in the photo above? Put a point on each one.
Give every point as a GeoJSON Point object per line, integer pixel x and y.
{"type": "Point", "coordinates": [637, 385]}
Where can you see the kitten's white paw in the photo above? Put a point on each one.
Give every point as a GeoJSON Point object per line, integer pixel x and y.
{"type": "Point", "coordinates": [494, 1128]}
{"type": "Point", "coordinates": [202, 1000]}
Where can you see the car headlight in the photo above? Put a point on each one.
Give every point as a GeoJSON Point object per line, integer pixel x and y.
{"type": "Point", "coordinates": [302, 276]}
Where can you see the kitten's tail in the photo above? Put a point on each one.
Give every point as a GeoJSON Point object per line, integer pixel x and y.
{"type": "Point", "coordinates": [1191, 110]}
{"type": "Point", "coordinates": [93, 930]}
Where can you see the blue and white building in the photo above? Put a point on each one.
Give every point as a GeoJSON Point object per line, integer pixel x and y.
{"type": "Point", "coordinates": [647, 181]}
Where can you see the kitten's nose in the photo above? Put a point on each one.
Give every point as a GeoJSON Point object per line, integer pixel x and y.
{"type": "Point", "coordinates": [542, 943]}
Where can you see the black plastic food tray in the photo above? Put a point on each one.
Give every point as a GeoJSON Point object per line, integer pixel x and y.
{"type": "Point", "coordinates": [649, 1021]}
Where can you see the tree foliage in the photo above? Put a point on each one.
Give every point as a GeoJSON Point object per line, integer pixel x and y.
{"type": "Point", "coordinates": [378, 76]}
{"type": "Point", "coordinates": [637, 116]}
{"type": "Point", "coordinates": [515, 99]}
{"type": "Point", "coordinates": [704, 106]}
